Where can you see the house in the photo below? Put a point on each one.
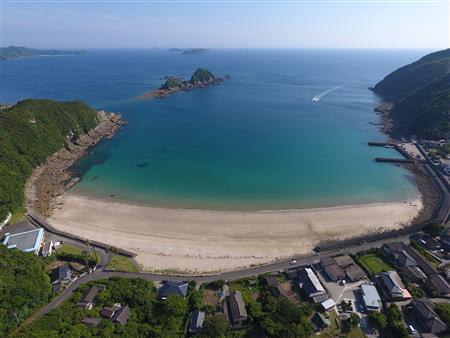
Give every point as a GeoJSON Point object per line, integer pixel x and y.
{"type": "Point", "coordinates": [415, 274]}
{"type": "Point", "coordinates": [171, 287]}
{"type": "Point", "coordinates": [27, 241]}
{"type": "Point", "coordinates": [320, 321]}
{"type": "Point", "coordinates": [393, 285]}
{"type": "Point", "coordinates": [333, 271]}
{"type": "Point", "coordinates": [424, 311]}
{"type": "Point", "coordinates": [392, 249]}
{"type": "Point", "coordinates": [339, 267]}
{"type": "Point", "coordinates": [88, 299]}
{"type": "Point", "coordinates": [61, 275]}
{"type": "Point", "coordinates": [328, 304]}
{"type": "Point", "coordinates": [91, 322]}
{"type": "Point", "coordinates": [122, 315]}
{"type": "Point", "coordinates": [237, 307]}
{"type": "Point", "coordinates": [109, 311]}
{"type": "Point", "coordinates": [311, 285]}
{"type": "Point", "coordinates": [196, 321]}
{"type": "Point", "coordinates": [275, 287]}
{"type": "Point", "coordinates": [47, 249]}
{"type": "Point", "coordinates": [436, 284]}
{"type": "Point", "coordinates": [354, 273]}
{"type": "Point", "coordinates": [371, 298]}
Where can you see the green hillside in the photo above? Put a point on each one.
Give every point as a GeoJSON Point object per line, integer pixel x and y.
{"type": "Point", "coordinates": [24, 286]}
{"type": "Point", "coordinates": [201, 75]}
{"type": "Point", "coordinates": [420, 92]}
{"type": "Point", "coordinates": [29, 132]}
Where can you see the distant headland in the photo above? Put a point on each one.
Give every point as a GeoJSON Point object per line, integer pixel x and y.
{"type": "Point", "coordinates": [14, 52]}
{"type": "Point", "coordinates": [201, 78]}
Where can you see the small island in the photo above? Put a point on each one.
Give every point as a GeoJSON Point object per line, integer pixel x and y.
{"type": "Point", "coordinates": [201, 78]}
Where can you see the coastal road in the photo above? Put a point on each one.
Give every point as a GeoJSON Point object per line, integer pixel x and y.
{"type": "Point", "coordinates": [201, 279]}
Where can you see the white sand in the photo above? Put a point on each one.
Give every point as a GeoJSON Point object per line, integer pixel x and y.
{"type": "Point", "coordinates": [203, 240]}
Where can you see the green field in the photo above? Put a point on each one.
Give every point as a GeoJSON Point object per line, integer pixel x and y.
{"type": "Point", "coordinates": [373, 263]}
{"type": "Point", "coordinates": [121, 263]}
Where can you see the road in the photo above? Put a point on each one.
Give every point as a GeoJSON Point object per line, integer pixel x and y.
{"type": "Point", "coordinates": [201, 279]}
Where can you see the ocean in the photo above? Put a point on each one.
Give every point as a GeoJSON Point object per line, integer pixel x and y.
{"type": "Point", "coordinates": [257, 141]}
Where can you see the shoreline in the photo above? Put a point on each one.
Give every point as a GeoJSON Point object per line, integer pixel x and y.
{"type": "Point", "coordinates": [55, 176]}
{"type": "Point", "coordinates": [194, 241]}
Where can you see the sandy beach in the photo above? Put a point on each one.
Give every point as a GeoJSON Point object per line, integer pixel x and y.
{"type": "Point", "coordinates": [207, 241]}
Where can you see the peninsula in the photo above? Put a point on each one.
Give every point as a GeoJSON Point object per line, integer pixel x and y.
{"type": "Point", "coordinates": [201, 78]}
{"type": "Point", "coordinates": [14, 52]}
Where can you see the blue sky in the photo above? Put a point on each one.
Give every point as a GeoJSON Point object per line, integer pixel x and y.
{"type": "Point", "coordinates": [217, 24]}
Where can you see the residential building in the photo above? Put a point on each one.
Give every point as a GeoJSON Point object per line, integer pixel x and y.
{"type": "Point", "coordinates": [371, 298]}
{"type": "Point", "coordinates": [89, 297]}
{"type": "Point", "coordinates": [320, 321]}
{"type": "Point", "coordinates": [122, 315]}
{"type": "Point", "coordinates": [340, 267]}
{"type": "Point", "coordinates": [436, 284]}
{"type": "Point", "coordinates": [426, 315]}
{"type": "Point", "coordinates": [176, 288]}
{"type": "Point", "coordinates": [275, 287]}
{"type": "Point", "coordinates": [415, 274]}
{"type": "Point", "coordinates": [310, 284]}
{"type": "Point", "coordinates": [196, 321]}
{"type": "Point", "coordinates": [91, 322]}
{"type": "Point", "coordinates": [109, 311]}
{"type": "Point", "coordinates": [47, 249]}
{"type": "Point", "coordinates": [393, 285]}
{"type": "Point", "coordinates": [27, 241]}
{"type": "Point", "coordinates": [61, 275]}
{"type": "Point", "coordinates": [236, 303]}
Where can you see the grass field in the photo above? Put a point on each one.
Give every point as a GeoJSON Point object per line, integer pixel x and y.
{"type": "Point", "coordinates": [121, 263]}
{"type": "Point", "coordinates": [71, 249]}
{"type": "Point", "coordinates": [373, 263]}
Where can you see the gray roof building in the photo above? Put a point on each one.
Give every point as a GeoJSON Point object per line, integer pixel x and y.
{"type": "Point", "coordinates": [309, 283]}
{"type": "Point", "coordinates": [89, 296]}
{"type": "Point", "coordinates": [237, 307]}
{"type": "Point", "coordinates": [171, 287]}
{"type": "Point", "coordinates": [320, 321]}
{"type": "Point", "coordinates": [424, 310]}
{"type": "Point", "coordinates": [122, 315]}
{"type": "Point", "coordinates": [394, 285]}
{"type": "Point", "coordinates": [109, 311]}
{"type": "Point", "coordinates": [371, 298]}
{"type": "Point", "coordinates": [196, 321]}
{"type": "Point", "coordinates": [437, 284]}
{"type": "Point", "coordinates": [27, 241]}
{"type": "Point", "coordinates": [61, 274]}
{"type": "Point", "coordinates": [90, 321]}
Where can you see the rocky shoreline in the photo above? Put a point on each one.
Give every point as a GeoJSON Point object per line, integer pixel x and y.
{"type": "Point", "coordinates": [387, 124]}
{"type": "Point", "coordinates": [56, 176]}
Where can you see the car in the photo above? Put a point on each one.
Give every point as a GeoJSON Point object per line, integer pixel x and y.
{"type": "Point", "coordinates": [293, 262]}
{"type": "Point", "coordinates": [411, 329]}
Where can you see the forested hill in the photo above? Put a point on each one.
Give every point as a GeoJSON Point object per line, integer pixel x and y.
{"type": "Point", "coordinates": [30, 131]}
{"type": "Point", "coordinates": [13, 52]}
{"type": "Point", "coordinates": [420, 92]}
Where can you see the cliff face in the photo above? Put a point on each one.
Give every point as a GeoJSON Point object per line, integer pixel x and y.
{"type": "Point", "coordinates": [420, 92]}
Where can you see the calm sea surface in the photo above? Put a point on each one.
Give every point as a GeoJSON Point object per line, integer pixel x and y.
{"type": "Point", "coordinates": [256, 142]}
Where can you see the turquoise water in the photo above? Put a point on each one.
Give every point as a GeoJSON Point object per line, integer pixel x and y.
{"type": "Point", "coordinates": [257, 141]}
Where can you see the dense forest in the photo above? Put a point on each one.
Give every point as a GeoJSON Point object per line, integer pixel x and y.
{"type": "Point", "coordinates": [420, 92]}
{"type": "Point", "coordinates": [12, 52]}
{"type": "Point", "coordinates": [150, 316]}
{"type": "Point", "coordinates": [24, 286]}
{"type": "Point", "coordinates": [30, 131]}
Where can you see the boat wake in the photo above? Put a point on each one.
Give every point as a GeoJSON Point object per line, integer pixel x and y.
{"type": "Point", "coordinates": [319, 96]}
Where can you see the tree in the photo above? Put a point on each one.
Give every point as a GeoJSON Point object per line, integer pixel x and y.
{"type": "Point", "coordinates": [433, 229]}
{"type": "Point", "coordinates": [394, 313]}
{"type": "Point", "coordinates": [175, 305]}
{"type": "Point", "coordinates": [378, 320]}
{"type": "Point", "coordinates": [255, 310]}
{"type": "Point", "coordinates": [214, 326]}
{"type": "Point", "coordinates": [354, 319]}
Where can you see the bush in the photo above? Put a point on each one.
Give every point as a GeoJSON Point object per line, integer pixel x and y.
{"type": "Point", "coordinates": [434, 229]}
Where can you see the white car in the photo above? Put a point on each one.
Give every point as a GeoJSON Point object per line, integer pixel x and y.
{"type": "Point", "coordinates": [293, 262]}
{"type": "Point", "coordinates": [411, 329]}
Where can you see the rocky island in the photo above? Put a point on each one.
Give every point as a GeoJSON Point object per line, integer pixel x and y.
{"type": "Point", "coordinates": [201, 78]}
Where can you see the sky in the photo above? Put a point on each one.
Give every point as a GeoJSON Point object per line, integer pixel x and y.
{"type": "Point", "coordinates": [225, 24]}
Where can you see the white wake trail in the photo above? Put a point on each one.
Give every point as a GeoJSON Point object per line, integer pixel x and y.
{"type": "Point", "coordinates": [319, 96]}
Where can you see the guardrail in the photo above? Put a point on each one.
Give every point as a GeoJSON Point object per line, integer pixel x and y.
{"type": "Point", "coordinates": [37, 220]}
